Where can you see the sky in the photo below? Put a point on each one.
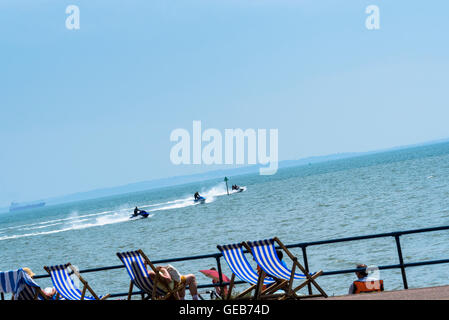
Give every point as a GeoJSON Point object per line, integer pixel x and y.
{"type": "Point", "coordinates": [94, 107]}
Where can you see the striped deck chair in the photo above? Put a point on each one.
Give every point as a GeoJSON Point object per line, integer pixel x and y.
{"type": "Point", "coordinates": [135, 263]}
{"type": "Point", "coordinates": [19, 283]}
{"type": "Point", "coordinates": [264, 252]}
{"type": "Point", "coordinates": [240, 267]}
{"type": "Point", "coordinates": [65, 286]}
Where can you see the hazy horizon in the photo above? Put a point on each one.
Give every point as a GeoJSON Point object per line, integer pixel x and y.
{"type": "Point", "coordinates": [211, 171]}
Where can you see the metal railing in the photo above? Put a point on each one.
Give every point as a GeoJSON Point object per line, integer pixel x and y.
{"type": "Point", "coordinates": [303, 246]}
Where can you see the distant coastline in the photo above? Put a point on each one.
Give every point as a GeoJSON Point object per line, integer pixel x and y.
{"type": "Point", "coordinates": [215, 174]}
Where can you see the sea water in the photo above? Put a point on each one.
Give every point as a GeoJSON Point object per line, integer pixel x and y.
{"type": "Point", "coordinates": [382, 192]}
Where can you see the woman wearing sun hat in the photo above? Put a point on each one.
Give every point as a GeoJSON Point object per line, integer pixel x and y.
{"type": "Point", "coordinates": [49, 292]}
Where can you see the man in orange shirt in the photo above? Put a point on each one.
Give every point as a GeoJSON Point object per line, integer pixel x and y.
{"type": "Point", "coordinates": [365, 284]}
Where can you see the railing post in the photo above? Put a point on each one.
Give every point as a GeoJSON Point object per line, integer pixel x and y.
{"type": "Point", "coordinates": [220, 277]}
{"type": "Point", "coordinates": [306, 266]}
{"type": "Point", "coordinates": [401, 261]}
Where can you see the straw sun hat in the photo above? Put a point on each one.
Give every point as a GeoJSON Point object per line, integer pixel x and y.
{"type": "Point", "coordinates": [28, 270]}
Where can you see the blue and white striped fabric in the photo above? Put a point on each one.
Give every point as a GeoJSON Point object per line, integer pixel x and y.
{"type": "Point", "coordinates": [28, 293]}
{"type": "Point", "coordinates": [64, 285]}
{"type": "Point", "coordinates": [235, 258]}
{"type": "Point", "coordinates": [135, 265]}
{"type": "Point", "coordinates": [264, 252]}
{"type": "Point", "coordinates": [15, 281]}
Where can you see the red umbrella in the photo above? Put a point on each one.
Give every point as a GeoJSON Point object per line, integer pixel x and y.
{"type": "Point", "coordinates": [215, 275]}
{"type": "Point", "coordinates": [211, 273]}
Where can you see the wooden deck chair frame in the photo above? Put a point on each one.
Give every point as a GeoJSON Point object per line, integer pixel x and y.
{"type": "Point", "coordinates": [240, 295]}
{"type": "Point", "coordinates": [258, 292]}
{"type": "Point", "coordinates": [86, 286]}
{"type": "Point", "coordinates": [256, 287]}
{"type": "Point", "coordinates": [291, 292]}
{"type": "Point", "coordinates": [170, 293]}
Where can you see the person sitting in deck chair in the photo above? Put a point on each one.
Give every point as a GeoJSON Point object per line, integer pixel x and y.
{"type": "Point", "coordinates": [189, 280]}
{"type": "Point", "coordinates": [280, 256]}
{"type": "Point", "coordinates": [48, 292]}
{"type": "Point", "coordinates": [364, 283]}
{"type": "Point", "coordinates": [165, 277]}
{"type": "Point", "coordinates": [172, 278]}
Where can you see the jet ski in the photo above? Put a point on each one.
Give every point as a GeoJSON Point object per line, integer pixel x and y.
{"type": "Point", "coordinates": [200, 200]}
{"type": "Point", "coordinates": [141, 213]}
{"type": "Point", "coordinates": [144, 214]}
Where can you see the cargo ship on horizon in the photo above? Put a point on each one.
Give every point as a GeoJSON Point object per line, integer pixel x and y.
{"type": "Point", "coordinates": [19, 206]}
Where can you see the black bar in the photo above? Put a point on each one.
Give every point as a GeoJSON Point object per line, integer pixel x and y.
{"type": "Point", "coordinates": [401, 262]}
{"type": "Point", "coordinates": [205, 256]}
{"type": "Point", "coordinates": [303, 246]}
{"type": "Point", "coordinates": [372, 236]}
{"type": "Point", "coordinates": [306, 244]}
{"type": "Point", "coordinates": [388, 267]}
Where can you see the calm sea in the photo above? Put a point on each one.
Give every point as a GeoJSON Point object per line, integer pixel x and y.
{"type": "Point", "coordinates": [396, 190]}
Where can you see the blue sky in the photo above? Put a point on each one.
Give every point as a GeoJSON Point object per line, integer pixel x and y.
{"type": "Point", "coordinates": [95, 107]}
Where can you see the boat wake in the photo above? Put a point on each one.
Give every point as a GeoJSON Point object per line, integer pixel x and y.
{"type": "Point", "coordinates": [76, 221]}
